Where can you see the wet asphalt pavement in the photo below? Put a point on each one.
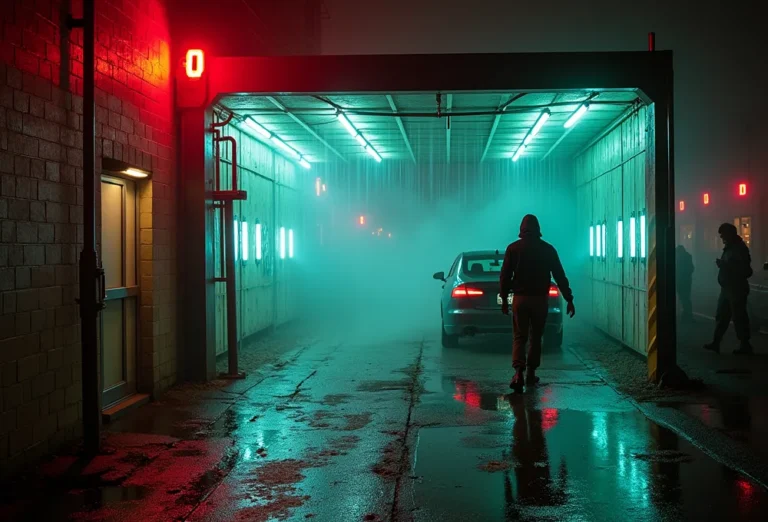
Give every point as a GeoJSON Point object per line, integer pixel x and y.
{"type": "Point", "coordinates": [399, 430]}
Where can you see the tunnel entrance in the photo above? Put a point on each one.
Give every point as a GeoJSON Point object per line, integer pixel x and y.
{"type": "Point", "coordinates": [355, 191]}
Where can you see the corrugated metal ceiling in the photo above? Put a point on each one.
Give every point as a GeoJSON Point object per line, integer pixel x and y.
{"type": "Point", "coordinates": [473, 137]}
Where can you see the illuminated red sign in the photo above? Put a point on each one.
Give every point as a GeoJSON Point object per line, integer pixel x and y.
{"type": "Point", "coordinates": [682, 206]}
{"type": "Point", "coordinates": [195, 63]}
{"type": "Point", "coordinates": [706, 198]}
{"type": "Point", "coordinates": [742, 189]}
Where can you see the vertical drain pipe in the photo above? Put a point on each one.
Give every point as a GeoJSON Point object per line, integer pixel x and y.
{"type": "Point", "coordinates": [90, 303]}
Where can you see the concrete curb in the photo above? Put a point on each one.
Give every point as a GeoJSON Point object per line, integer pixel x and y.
{"type": "Point", "coordinates": [719, 447]}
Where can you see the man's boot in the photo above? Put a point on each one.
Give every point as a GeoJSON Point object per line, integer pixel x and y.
{"type": "Point", "coordinates": [744, 349]}
{"type": "Point", "coordinates": [530, 378]}
{"type": "Point", "coordinates": [712, 347]}
{"type": "Point", "coordinates": [517, 381]}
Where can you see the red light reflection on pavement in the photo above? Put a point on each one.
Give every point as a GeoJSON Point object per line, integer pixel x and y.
{"type": "Point", "coordinates": [549, 418]}
{"type": "Point", "coordinates": [467, 393]}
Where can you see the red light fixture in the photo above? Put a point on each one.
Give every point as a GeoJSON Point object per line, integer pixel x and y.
{"type": "Point", "coordinates": [706, 198]}
{"type": "Point", "coordinates": [682, 205]}
{"type": "Point", "coordinates": [195, 63]}
{"type": "Point", "coordinates": [465, 291]}
{"type": "Point", "coordinates": [553, 291]}
{"type": "Point", "coordinates": [742, 189]}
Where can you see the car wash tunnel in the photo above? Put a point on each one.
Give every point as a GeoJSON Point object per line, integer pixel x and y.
{"type": "Point", "coordinates": [343, 223]}
{"type": "Point", "coordinates": [346, 192]}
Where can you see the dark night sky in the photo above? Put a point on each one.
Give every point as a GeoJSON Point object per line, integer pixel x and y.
{"type": "Point", "coordinates": [720, 56]}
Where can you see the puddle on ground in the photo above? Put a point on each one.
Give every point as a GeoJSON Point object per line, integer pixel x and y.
{"type": "Point", "coordinates": [739, 418]}
{"type": "Point", "coordinates": [560, 464]}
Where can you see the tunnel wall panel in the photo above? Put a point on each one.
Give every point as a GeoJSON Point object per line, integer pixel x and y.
{"type": "Point", "coordinates": [610, 180]}
{"type": "Point", "coordinates": [266, 287]}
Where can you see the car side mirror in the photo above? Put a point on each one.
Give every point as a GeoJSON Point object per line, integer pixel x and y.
{"type": "Point", "coordinates": [440, 276]}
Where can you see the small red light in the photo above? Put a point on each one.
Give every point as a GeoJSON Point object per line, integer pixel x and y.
{"type": "Point", "coordinates": [682, 206]}
{"type": "Point", "coordinates": [553, 291]}
{"type": "Point", "coordinates": [706, 198]}
{"type": "Point", "coordinates": [465, 291]}
{"type": "Point", "coordinates": [362, 220]}
{"type": "Point", "coordinates": [195, 63]}
{"type": "Point", "coordinates": [743, 189]}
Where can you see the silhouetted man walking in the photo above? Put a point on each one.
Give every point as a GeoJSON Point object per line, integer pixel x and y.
{"type": "Point", "coordinates": [529, 265]}
{"type": "Point", "coordinates": [685, 282]}
{"type": "Point", "coordinates": [735, 269]}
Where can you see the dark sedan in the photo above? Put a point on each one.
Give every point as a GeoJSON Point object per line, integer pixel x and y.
{"type": "Point", "coordinates": [471, 303]}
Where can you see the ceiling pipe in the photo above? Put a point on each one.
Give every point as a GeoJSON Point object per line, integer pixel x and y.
{"type": "Point", "coordinates": [497, 119]}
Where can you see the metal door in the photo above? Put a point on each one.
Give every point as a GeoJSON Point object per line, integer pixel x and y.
{"type": "Point", "coordinates": [118, 319]}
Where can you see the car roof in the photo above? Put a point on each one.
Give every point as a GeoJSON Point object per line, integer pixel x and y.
{"type": "Point", "coordinates": [483, 253]}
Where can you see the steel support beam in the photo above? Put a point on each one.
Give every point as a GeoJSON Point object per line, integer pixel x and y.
{"type": "Point", "coordinates": [306, 127]}
{"type": "Point", "coordinates": [496, 120]}
{"type": "Point", "coordinates": [448, 128]}
{"type": "Point", "coordinates": [400, 125]}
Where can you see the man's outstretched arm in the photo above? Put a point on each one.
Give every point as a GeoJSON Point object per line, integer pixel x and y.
{"type": "Point", "coordinates": [559, 276]}
{"type": "Point", "coordinates": [507, 271]}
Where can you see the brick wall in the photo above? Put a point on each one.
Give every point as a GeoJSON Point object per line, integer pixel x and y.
{"type": "Point", "coordinates": [41, 233]}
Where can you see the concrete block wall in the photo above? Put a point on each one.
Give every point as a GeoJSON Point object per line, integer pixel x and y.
{"type": "Point", "coordinates": [41, 160]}
{"type": "Point", "coordinates": [610, 186]}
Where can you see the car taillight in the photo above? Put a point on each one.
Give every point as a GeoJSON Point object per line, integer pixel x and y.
{"type": "Point", "coordinates": [466, 291]}
{"type": "Point", "coordinates": [553, 291]}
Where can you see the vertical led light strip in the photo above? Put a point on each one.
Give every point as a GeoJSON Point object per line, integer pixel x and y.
{"type": "Point", "coordinates": [290, 243]}
{"type": "Point", "coordinates": [632, 237]}
{"type": "Point", "coordinates": [258, 241]}
{"type": "Point", "coordinates": [282, 242]}
{"type": "Point", "coordinates": [620, 238]}
{"type": "Point", "coordinates": [642, 236]}
{"type": "Point", "coordinates": [244, 240]}
{"type": "Point", "coordinates": [605, 243]}
{"type": "Point", "coordinates": [237, 239]}
{"type": "Point", "coordinates": [598, 235]}
{"type": "Point", "coordinates": [591, 241]}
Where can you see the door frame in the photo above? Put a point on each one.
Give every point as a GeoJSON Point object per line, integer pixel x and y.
{"type": "Point", "coordinates": [126, 387]}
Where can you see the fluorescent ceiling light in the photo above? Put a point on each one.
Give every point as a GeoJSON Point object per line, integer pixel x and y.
{"type": "Point", "coordinates": [540, 122]}
{"type": "Point", "coordinates": [576, 116]}
{"type": "Point", "coordinates": [347, 124]}
{"type": "Point", "coordinates": [287, 149]}
{"type": "Point", "coordinates": [258, 128]}
{"type": "Point", "coordinates": [358, 136]}
{"type": "Point", "coordinates": [370, 150]}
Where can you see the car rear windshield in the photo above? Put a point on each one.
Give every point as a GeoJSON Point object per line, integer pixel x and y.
{"type": "Point", "coordinates": [480, 265]}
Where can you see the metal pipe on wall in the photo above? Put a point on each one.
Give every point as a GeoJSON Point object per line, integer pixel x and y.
{"type": "Point", "coordinates": [90, 302]}
{"type": "Point", "coordinates": [229, 227]}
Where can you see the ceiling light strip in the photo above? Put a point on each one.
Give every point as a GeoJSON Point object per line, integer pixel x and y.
{"type": "Point", "coordinates": [358, 136]}
{"type": "Point", "coordinates": [275, 140]}
{"type": "Point", "coordinates": [540, 121]}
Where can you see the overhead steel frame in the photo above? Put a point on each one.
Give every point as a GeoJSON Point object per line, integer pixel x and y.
{"type": "Point", "coordinates": [650, 74]}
